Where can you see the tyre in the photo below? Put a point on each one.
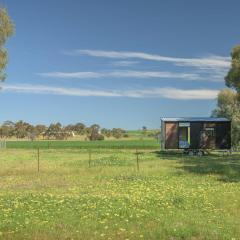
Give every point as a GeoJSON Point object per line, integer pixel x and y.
{"type": "Point", "coordinates": [190, 153]}
{"type": "Point", "coordinates": [200, 153]}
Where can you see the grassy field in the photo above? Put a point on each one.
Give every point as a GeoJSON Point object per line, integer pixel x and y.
{"type": "Point", "coordinates": [141, 133]}
{"type": "Point", "coordinates": [170, 197]}
{"type": "Point", "coordinates": [112, 144]}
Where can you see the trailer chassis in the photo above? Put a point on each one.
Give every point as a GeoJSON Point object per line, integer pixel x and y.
{"type": "Point", "coordinates": [195, 152]}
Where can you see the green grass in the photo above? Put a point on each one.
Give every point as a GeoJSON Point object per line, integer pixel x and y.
{"type": "Point", "coordinates": [110, 144]}
{"type": "Point", "coordinates": [141, 133]}
{"type": "Point", "coordinates": [170, 197]}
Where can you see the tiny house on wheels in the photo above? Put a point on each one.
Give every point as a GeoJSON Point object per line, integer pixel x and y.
{"type": "Point", "coordinates": [194, 135]}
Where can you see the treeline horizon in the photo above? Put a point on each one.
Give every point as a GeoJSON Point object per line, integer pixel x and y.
{"type": "Point", "coordinates": [21, 130]}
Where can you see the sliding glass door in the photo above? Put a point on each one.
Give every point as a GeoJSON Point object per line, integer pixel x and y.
{"type": "Point", "coordinates": [184, 135]}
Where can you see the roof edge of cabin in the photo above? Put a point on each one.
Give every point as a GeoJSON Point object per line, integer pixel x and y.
{"type": "Point", "coordinates": [194, 119]}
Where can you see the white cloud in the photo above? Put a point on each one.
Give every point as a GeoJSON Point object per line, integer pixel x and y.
{"type": "Point", "coordinates": [43, 89]}
{"type": "Point", "coordinates": [180, 94]}
{"type": "Point", "coordinates": [125, 63]}
{"type": "Point", "coordinates": [122, 74]}
{"type": "Point", "coordinates": [170, 93]}
{"type": "Point", "coordinates": [209, 62]}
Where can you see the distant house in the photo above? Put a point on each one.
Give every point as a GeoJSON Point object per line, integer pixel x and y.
{"type": "Point", "coordinates": [195, 133]}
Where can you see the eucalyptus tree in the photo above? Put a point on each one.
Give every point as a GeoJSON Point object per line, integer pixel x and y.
{"type": "Point", "coordinates": [228, 106]}
{"type": "Point", "coordinates": [6, 30]}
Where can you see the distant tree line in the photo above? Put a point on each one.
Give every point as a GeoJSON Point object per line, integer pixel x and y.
{"type": "Point", "coordinates": [57, 131]}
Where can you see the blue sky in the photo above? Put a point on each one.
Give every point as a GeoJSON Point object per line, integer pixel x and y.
{"type": "Point", "coordinates": [117, 63]}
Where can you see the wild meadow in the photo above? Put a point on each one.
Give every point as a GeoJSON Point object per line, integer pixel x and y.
{"type": "Point", "coordinates": [100, 194]}
{"type": "Point", "coordinates": [131, 143]}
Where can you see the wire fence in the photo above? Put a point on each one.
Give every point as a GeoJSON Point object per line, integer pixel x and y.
{"type": "Point", "coordinates": [38, 160]}
{"type": "Point", "coordinates": [3, 144]}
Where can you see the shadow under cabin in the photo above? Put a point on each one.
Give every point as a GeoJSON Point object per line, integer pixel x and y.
{"type": "Point", "coordinates": [195, 135]}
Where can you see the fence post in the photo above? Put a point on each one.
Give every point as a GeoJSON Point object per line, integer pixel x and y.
{"type": "Point", "coordinates": [89, 158]}
{"type": "Point", "coordinates": [137, 159]}
{"type": "Point", "coordinates": [38, 156]}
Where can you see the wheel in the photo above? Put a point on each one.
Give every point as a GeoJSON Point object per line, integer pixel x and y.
{"type": "Point", "coordinates": [185, 151]}
{"type": "Point", "coordinates": [200, 153]}
{"type": "Point", "coordinates": [190, 153]}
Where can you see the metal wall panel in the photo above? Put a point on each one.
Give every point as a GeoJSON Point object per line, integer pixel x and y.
{"type": "Point", "coordinates": [196, 128]}
{"type": "Point", "coordinates": [223, 135]}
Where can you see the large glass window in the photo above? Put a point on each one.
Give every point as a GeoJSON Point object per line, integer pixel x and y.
{"type": "Point", "coordinates": [184, 135]}
{"type": "Point", "coordinates": [210, 132]}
